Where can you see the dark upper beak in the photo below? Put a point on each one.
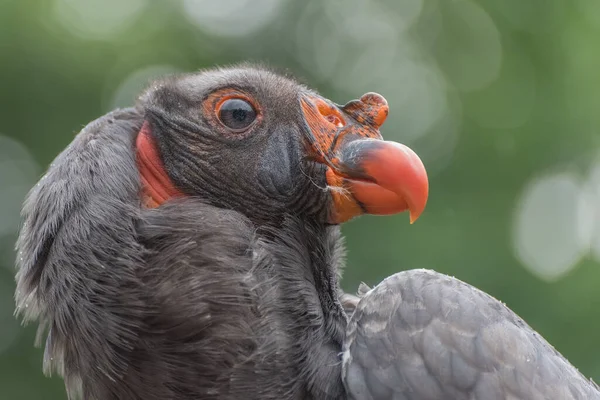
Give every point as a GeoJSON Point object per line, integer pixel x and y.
{"type": "Point", "coordinates": [366, 173]}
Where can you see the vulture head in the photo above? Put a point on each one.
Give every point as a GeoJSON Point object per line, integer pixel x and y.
{"type": "Point", "coordinates": [250, 140]}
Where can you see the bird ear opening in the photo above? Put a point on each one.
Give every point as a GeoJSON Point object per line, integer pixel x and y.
{"type": "Point", "coordinates": [77, 251]}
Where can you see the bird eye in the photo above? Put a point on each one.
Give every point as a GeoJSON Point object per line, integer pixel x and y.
{"type": "Point", "coordinates": [236, 114]}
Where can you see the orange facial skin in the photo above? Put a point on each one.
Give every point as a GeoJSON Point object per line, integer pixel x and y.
{"type": "Point", "coordinates": [156, 184]}
{"type": "Point", "coordinates": [366, 174]}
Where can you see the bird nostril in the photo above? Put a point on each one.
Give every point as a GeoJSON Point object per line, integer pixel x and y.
{"type": "Point", "coordinates": [335, 120]}
{"type": "Point", "coordinates": [330, 113]}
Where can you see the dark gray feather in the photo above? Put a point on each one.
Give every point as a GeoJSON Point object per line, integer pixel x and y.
{"type": "Point", "coordinates": [78, 255]}
{"type": "Point", "coordinates": [186, 301]}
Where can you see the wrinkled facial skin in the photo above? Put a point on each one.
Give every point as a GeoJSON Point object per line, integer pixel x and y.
{"type": "Point", "coordinates": [261, 171]}
{"type": "Point", "coordinates": [266, 146]}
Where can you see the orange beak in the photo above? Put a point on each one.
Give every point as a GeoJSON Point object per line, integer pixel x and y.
{"type": "Point", "coordinates": [365, 174]}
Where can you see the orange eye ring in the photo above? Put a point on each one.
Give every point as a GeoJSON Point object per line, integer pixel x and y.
{"type": "Point", "coordinates": [236, 114]}
{"type": "Point", "coordinates": [229, 109]}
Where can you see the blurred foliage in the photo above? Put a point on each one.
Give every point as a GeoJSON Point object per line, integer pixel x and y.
{"type": "Point", "coordinates": [500, 99]}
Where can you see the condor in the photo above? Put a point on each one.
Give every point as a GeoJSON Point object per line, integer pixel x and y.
{"type": "Point", "coordinates": [189, 248]}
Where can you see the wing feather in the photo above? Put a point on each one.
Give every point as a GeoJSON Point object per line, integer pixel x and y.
{"type": "Point", "coordinates": [423, 335]}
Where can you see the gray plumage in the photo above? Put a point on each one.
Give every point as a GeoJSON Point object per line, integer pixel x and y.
{"type": "Point", "coordinates": [192, 300]}
{"type": "Point", "coordinates": [233, 291]}
{"type": "Point", "coordinates": [423, 335]}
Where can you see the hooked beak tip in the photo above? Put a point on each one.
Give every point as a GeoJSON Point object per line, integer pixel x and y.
{"type": "Point", "coordinates": [383, 177]}
{"type": "Point", "coordinates": [413, 217]}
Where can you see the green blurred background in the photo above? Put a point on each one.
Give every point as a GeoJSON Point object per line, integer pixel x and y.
{"type": "Point", "coordinates": [499, 97]}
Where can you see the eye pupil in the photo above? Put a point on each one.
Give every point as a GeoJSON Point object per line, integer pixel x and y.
{"type": "Point", "coordinates": [237, 114]}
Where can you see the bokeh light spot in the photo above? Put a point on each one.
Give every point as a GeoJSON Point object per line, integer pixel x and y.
{"type": "Point", "coordinates": [546, 232]}
{"type": "Point", "coordinates": [591, 220]}
{"type": "Point", "coordinates": [470, 50]}
{"type": "Point", "coordinates": [417, 98]}
{"type": "Point", "coordinates": [330, 45]}
{"type": "Point", "coordinates": [231, 17]}
{"type": "Point", "coordinates": [98, 19]}
{"type": "Point", "coordinates": [132, 86]}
